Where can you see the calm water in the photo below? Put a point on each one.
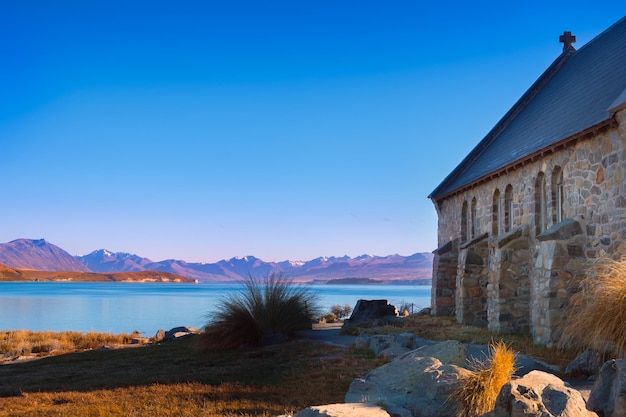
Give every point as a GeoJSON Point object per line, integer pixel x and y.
{"type": "Point", "coordinates": [147, 307]}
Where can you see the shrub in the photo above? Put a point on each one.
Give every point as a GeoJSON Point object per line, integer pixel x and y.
{"type": "Point", "coordinates": [330, 318]}
{"type": "Point", "coordinates": [273, 305]}
{"type": "Point", "coordinates": [476, 392]}
{"type": "Point", "coordinates": [340, 311]}
{"type": "Point", "coordinates": [596, 314]}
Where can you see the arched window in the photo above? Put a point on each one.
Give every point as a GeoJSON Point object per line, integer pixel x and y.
{"type": "Point", "coordinates": [508, 208]}
{"type": "Point", "coordinates": [474, 219]}
{"type": "Point", "coordinates": [541, 216]}
{"type": "Point", "coordinates": [496, 215]}
{"type": "Point", "coordinates": [464, 222]}
{"type": "Point", "coordinates": [557, 195]}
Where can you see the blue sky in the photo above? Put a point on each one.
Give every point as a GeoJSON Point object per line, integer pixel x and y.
{"type": "Point", "coordinates": [203, 130]}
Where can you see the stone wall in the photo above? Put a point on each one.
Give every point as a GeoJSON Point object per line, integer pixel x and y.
{"type": "Point", "coordinates": [443, 290]}
{"type": "Point", "coordinates": [471, 282]}
{"type": "Point", "coordinates": [526, 270]}
{"type": "Point", "coordinates": [508, 291]}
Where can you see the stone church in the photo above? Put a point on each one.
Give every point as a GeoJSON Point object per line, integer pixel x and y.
{"type": "Point", "coordinates": [542, 195]}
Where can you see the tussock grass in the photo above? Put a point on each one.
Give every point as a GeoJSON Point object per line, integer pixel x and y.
{"type": "Point", "coordinates": [273, 305]}
{"type": "Point", "coordinates": [596, 316]}
{"type": "Point", "coordinates": [17, 343]}
{"type": "Point", "coordinates": [476, 392]}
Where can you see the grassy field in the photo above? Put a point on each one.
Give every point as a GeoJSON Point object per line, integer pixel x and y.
{"type": "Point", "coordinates": [178, 379]}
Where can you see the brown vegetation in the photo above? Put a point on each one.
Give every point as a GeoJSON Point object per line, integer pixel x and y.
{"type": "Point", "coordinates": [177, 379]}
{"type": "Point", "coordinates": [16, 344]}
{"type": "Point", "coordinates": [447, 328]}
{"type": "Point", "coordinates": [476, 392]}
{"type": "Point", "coordinates": [596, 315]}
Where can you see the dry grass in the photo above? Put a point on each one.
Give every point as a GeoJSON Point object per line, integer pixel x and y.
{"type": "Point", "coordinates": [596, 315]}
{"type": "Point", "coordinates": [476, 391]}
{"type": "Point", "coordinates": [177, 379]}
{"type": "Point", "coordinates": [441, 328]}
{"type": "Point", "coordinates": [18, 343]}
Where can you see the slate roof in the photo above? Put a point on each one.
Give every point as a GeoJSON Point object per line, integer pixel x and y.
{"type": "Point", "coordinates": [572, 96]}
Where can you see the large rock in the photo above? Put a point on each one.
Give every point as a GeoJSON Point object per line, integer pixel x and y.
{"type": "Point", "coordinates": [178, 332]}
{"type": "Point", "coordinates": [371, 311]}
{"type": "Point", "coordinates": [539, 394]}
{"type": "Point", "coordinates": [608, 395]}
{"type": "Point", "coordinates": [585, 364]}
{"type": "Point", "coordinates": [343, 410]}
{"type": "Point", "coordinates": [419, 381]}
{"type": "Point", "coordinates": [391, 345]}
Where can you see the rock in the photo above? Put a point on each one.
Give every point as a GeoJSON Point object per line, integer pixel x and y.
{"type": "Point", "coordinates": [539, 394]}
{"type": "Point", "coordinates": [389, 345]}
{"type": "Point", "coordinates": [367, 311]}
{"type": "Point", "coordinates": [448, 352]}
{"type": "Point", "coordinates": [178, 332]}
{"type": "Point", "coordinates": [159, 336]}
{"type": "Point", "coordinates": [585, 364]}
{"type": "Point", "coordinates": [393, 352]}
{"type": "Point", "coordinates": [608, 395]}
{"type": "Point", "coordinates": [362, 341]}
{"type": "Point", "coordinates": [418, 381]}
{"type": "Point", "coordinates": [344, 410]}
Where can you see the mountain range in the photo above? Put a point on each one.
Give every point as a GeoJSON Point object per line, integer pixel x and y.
{"type": "Point", "coordinates": [42, 255]}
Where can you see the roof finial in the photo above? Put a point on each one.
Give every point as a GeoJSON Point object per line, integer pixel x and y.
{"type": "Point", "coordinates": [567, 40]}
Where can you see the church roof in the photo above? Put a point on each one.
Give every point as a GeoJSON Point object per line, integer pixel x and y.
{"type": "Point", "coordinates": [573, 96]}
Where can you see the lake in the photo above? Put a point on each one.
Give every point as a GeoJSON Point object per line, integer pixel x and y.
{"type": "Point", "coordinates": [123, 307]}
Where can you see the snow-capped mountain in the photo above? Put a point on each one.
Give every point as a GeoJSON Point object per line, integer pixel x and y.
{"type": "Point", "coordinates": [42, 255]}
{"type": "Point", "coordinates": [387, 268]}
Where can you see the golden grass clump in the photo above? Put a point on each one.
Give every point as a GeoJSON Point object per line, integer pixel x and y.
{"type": "Point", "coordinates": [15, 343]}
{"type": "Point", "coordinates": [596, 314]}
{"type": "Point", "coordinates": [476, 392]}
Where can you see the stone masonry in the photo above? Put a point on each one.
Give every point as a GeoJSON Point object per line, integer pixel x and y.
{"type": "Point", "coordinates": [567, 207]}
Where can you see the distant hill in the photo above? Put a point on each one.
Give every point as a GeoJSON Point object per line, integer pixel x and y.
{"type": "Point", "coordinates": [38, 254]}
{"type": "Point", "coordinates": [18, 274]}
{"type": "Point", "coordinates": [44, 256]}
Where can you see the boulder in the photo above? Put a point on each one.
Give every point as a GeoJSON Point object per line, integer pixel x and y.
{"type": "Point", "coordinates": [392, 345]}
{"type": "Point", "coordinates": [363, 341]}
{"type": "Point", "coordinates": [159, 335]}
{"type": "Point", "coordinates": [419, 381]}
{"type": "Point", "coordinates": [371, 311]}
{"type": "Point", "coordinates": [585, 364]}
{"type": "Point", "coordinates": [178, 332]}
{"type": "Point", "coordinates": [539, 394]}
{"type": "Point", "coordinates": [343, 410]}
{"type": "Point", "coordinates": [608, 395]}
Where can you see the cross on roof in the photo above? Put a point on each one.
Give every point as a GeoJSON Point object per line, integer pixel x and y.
{"type": "Point", "coordinates": [567, 39]}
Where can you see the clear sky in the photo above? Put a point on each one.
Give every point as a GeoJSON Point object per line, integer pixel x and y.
{"type": "Point", "coordinates": [287, 129]}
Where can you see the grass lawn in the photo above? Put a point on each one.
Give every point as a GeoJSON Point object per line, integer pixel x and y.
{"type": "Point", "coordinates": [177, 379]}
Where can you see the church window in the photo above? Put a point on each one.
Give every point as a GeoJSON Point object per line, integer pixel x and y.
{"type": "Point", "coordinates": [473, 219]}
{"type": "Point", "coordinates": [496, 215]}
{"type": "Point", "coordinates": [464, 222]}
{"type": "Point", "coordinates": [541, 215]}
{"type": "Point", "coordinates": [508, 208]}
{"type": "Point", "coordinates": [557, 195]}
